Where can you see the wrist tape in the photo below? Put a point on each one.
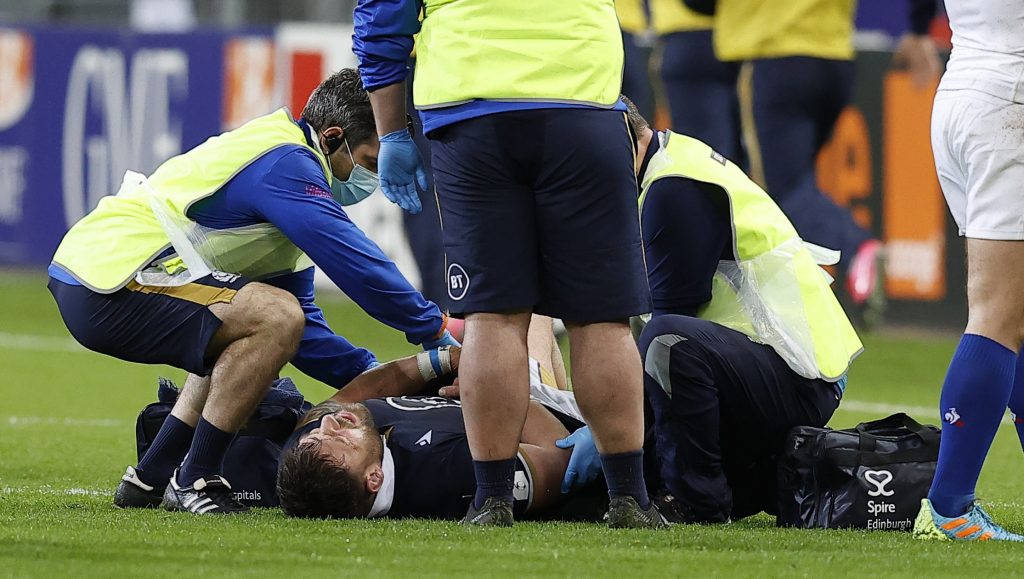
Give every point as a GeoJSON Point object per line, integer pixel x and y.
{"type": "Point", "coordinates": [434, 363]}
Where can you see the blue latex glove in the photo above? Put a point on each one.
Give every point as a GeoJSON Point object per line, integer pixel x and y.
{"type": "Point", "coordinates": [401, 168]}
{"type": "Point", "coordinates": [446, 339]}
{"type": "Point", "coordinates": [585, 462]}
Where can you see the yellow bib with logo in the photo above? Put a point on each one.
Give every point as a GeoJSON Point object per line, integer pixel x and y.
{"type": "Point", "coordinates": [125, 233]}
{"type": "Point", "coordinates": [518, 50]}
{"type": "Point", "coordinates": [774, 291]}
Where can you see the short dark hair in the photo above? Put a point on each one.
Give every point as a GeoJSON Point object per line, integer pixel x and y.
{"type": "Point", "coordinates": [341, 101]}
{"type": "Point", "coordinates": [312, 486]}
{"type": "Point", "coordinates": [637, 123]}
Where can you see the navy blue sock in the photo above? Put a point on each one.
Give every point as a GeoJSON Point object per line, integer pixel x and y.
{"type": "Point", "coordinates": [204, 459]}
{"type": "Point", "coordinates": [493, 479]}
{"type": "Point", "coordinates": [624, 474]}
{"type": "Point", "coordinates": [166, 453]}
{"type": "Point", "coordinates": [974, 398]}
{"type": "Point", "coordinates": [1017, 399]}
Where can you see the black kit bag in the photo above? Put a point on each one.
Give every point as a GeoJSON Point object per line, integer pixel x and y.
{"type": "Point", "coordinates": [869, 477]}
{"type": "Point", "coordinates": [250, 465]}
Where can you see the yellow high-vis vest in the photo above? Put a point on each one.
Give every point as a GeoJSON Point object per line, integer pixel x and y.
{"type": "Point", "coordinates": [668, 16]}
{"type": "Point", "coordinates": [752, 29]}
{"type": "Point", "coordinates": [774, 291]}
{"type": "Point", "coordinates": [108, 247]}
{"type": "Point", "coordinates": [518, 50]}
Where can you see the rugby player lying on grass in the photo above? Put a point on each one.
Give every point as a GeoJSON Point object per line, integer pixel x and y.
{"type": "Point", "coordinates": [377, 449]}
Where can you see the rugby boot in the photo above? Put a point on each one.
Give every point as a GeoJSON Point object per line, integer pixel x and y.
{"type": "Point", "coordinates": [132, 493]}
{"type": "Point", "coordinates": [974, 525]}
{"type": "Point", "coordinates": [674, 511]}
{"type": "Point", "coordinates": [625, 513]}
{"type": "Point", "coordinates": [495, 512]}
{"type": "Point", "coordinates": [207, 496]}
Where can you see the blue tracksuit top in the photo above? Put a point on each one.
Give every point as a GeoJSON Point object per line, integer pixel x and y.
{"type": "Point", "coordinates": [287, 187]}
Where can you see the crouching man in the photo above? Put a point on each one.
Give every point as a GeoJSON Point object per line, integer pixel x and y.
{"type": "Point", "coordinates": [747, 339]}
{"type": "Point", "coordinates": [207, 266]}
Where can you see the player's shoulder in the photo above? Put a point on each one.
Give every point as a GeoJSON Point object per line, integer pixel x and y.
{"type": "Point", "coordinates": [410, 416]}
{"type": "Point", "coordinates": [408, 408]}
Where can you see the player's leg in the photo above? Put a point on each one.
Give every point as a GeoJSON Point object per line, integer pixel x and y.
{"type": "Point", "coordinates": [593, 277]}
{"type": "Point", "coordinates": [542, 346]}
{"type": "Point", "coordinates": [488, 228]}
{"type": "Point", "coordinates": [980, 171]}
{"type": "Point", "coordinates": [701, 92]}
{"type": "Point", "coordinates": [977, 390]}
{"type": "Point", "coordinates": [981, 375]}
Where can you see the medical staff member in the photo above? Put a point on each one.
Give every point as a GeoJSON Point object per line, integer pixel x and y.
{"type": "Point", "coordinates": [725, 386]}
{"type": "Point", "coordinates": [208, 266]}
{"type": "Point", "coordinates": [796, 78]}
{"type": "Point", "coordinates": [533, 166]}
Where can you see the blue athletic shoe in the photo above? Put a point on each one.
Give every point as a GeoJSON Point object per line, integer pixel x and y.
{"type": "Point", "coordinates": [975, 525]}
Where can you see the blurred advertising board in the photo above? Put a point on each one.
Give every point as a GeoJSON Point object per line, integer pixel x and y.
{"type": "Point", "coordinates": [879, 163]}
{"type": "Point", "coordinates": [80, 106]}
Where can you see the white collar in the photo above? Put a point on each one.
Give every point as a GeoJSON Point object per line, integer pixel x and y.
{"type": "Point", "coordinates": [386, 494]}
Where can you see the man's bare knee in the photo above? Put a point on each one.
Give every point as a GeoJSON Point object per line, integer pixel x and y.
{"type": "Point", "coordinates": [284, 316]}
{"type": "Point", "coordinates": [260, 309]}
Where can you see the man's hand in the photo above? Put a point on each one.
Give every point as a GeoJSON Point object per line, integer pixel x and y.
{"type": "Point", "coordinates": [918, 55]}
{"type": "Point", "coordinates": [401, 168]}
{"type": "Point", "coordinates": [585, 462]}
{"type": "Point", "coordinates": [450, 391]}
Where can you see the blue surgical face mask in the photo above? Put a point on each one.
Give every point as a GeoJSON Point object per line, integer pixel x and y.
{"type": "Point", "coordinates": [361, 183]}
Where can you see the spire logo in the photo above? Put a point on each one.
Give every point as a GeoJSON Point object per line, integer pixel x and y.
{"type": "Point", "coordinates": [879, 479]}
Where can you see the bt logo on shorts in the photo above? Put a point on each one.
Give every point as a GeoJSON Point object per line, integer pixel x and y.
{"type": "Point", "coordinates": [458, 282]}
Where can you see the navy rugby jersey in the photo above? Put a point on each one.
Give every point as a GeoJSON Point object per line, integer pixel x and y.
{"type": "Point", "coordinates": [433, 475]}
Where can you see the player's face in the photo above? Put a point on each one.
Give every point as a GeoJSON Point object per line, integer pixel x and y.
{"type": "Point", "coordinates": [349, 437]}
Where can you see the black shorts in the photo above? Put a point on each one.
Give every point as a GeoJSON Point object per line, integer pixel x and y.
{"type": "Point", "coordinates": [539, 212]}
{"type": "Point", "coordinates": [146, 324]}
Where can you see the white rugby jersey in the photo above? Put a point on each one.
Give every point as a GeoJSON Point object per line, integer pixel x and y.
{"type": "Point", "coordinates": [988, 47]}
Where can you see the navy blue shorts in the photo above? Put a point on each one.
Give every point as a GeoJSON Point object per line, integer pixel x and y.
{"type": "Point", "coordinates": [539, 212]}
{"type": "Point", "coordinates": [149, 325]}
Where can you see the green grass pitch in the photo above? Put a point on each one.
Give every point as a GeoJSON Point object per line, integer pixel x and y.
{"type": "Point", "coordinates": [67, 432]}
